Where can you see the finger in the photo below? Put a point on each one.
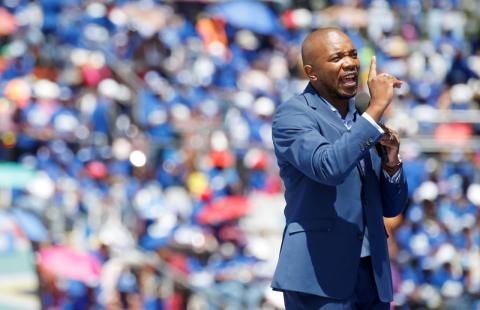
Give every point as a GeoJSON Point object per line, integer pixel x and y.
{"type": "Point", "coordinates": [388, 130]}
{"type": "Point", "coordinates": [386, 144]}
{"type": "Point", "coordinates": [389, 143]}
{"type": "Point", "coordinates": [390, 140]}
{"type": "Point", "coordinates": [373, 68]}
{"type": "Point", "coordinates": [383, 143]}
{"type": "Point", "coordinates": [390, 77]}
{"type": "Point", "coordinates": [386, 138]}
{"type": "Point", "coordinates": [390, 136]}
{"type": "Point", "coordinates": [397, 83]}
{"type": "Point", "coordinates": [395, 133]}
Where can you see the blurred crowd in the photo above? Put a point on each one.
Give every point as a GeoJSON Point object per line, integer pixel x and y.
{"type": "Point", "coordinates": [137, 167]}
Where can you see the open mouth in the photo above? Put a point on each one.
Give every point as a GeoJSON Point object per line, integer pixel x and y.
{"type": "Point", "coordinates": [349, 79]}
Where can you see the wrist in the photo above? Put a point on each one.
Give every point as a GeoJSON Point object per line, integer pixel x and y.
{"type": "Point", "coordinates": [393, 166]}
{"type": "Point", "coordinates": [391, 171]}
{"type": "Point", "coordinates": [375, 112]}
{"type": "Point", "coordinates": [395, 162]}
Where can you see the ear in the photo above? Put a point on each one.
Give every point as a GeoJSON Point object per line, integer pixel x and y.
{"type": "Point", "coordinates": [309, 71]}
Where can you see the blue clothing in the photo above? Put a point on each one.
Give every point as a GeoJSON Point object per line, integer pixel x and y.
{"type": "Point", "coordinates": [364, 297]}
{"type": "Point", "coordinates": [352, 114]}
{"type": "Point", "coordinates": [330, 174]}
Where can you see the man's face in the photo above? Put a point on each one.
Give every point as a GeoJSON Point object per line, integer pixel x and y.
{"type": "Point", "coordinates": [335, 66]}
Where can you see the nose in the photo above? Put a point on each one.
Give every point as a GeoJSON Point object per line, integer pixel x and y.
{"type": "Point", "coordinates": [350, 63]}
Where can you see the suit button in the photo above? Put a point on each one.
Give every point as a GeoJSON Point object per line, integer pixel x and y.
{"type": "Point", "coordinates": [360, 236]}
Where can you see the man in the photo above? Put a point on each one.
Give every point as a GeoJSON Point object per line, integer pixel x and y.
{"type": "Point", "coordinates": [334, 252]}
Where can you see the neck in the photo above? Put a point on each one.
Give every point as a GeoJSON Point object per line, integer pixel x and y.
{"type": "Point", "coordinates": [340, 104]}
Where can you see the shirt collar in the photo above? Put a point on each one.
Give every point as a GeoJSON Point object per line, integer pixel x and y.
{"type": "Point", "coordinates": [352, 111]}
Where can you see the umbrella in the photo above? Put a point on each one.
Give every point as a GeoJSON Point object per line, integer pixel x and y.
{"type": "Point", "coordinates": [250, 15]}
{"type": "Point", "coordinates": [14, 175]}
{"type": "Point", "coordinates": [224, 209]}
{"type": "Point", "coordinates": [31, 225]}
{"type": "Point", "coordinates": [67, 263]}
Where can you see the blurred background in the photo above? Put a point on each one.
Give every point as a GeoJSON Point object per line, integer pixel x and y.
{"type": "Point", "coordinates": [137, 169]}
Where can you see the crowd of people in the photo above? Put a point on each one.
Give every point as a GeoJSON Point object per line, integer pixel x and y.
{"type": "Point", "coordinates": [144, 128]}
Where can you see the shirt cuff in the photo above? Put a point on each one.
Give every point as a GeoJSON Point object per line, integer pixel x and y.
{"type": "Point", "coordinates": [395, 179]}
{"type": "Point", "coordinates": [371, 121]}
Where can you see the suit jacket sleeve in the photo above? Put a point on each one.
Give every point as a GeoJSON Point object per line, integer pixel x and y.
{"type": "Point", "coordinates": [394, 195]}
{"type": "Point", "coordinates": [299, 142]}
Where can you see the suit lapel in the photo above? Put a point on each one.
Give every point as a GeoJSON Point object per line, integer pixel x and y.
{"type": "Point", "coordinates": [320, 106]}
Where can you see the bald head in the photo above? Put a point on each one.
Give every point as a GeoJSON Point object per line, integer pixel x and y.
{"type": "Point", "coordinates": [317, 41]}
{"type": "Point", "coordinates": [331, 64]}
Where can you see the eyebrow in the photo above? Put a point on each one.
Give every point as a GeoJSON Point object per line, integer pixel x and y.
{"type": "Point", "coordinates": [335, 54]}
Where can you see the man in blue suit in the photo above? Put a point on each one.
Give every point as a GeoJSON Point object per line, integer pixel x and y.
{"type": "Point", "coordinates": [334, 252]}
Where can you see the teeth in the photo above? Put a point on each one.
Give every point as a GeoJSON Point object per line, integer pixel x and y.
{"type": "Point", "coordinates": [349, 77]}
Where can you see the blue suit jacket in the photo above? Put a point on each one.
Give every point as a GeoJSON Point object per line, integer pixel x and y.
{"type": "Point", "coordinates": [321, 164]}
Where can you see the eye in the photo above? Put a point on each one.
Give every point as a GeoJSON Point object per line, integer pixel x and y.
{"type": "Point", "coordinates": [354, 54]}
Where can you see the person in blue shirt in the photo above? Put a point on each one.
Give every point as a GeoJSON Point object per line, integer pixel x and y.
{"type": "Point", "coordinates": [337, 188]}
